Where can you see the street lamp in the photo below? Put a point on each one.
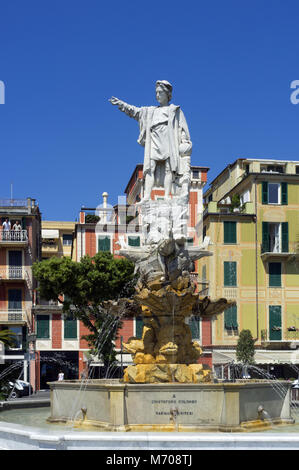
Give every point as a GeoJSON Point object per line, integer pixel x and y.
{"type": "Point", "coordinates": [31, 338]}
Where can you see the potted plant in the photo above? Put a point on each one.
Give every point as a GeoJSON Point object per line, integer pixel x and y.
{"type": "Point", "coordinates": [235, 203]}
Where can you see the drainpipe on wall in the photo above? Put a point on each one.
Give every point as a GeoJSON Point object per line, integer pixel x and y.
{"type": "Point", "coordinates": [256, 265]}
{"type": "Point", "coordinates": [105, 197]}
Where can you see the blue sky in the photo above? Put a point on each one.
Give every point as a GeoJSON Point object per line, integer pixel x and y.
{"type": "Point", "coordinates": [230, 62]}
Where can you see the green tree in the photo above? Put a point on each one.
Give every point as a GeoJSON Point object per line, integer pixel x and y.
{"type": "Point", "coordinates": [245, 347]}
{"type": "Point", "coordinates": [7, 337]}
{"type": "Point", "coordinates": [82, 287]}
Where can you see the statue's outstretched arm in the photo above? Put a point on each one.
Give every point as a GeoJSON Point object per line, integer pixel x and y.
{"type": "Point", "coordinates": [129, 109]}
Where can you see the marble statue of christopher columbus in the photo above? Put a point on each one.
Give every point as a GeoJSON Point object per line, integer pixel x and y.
{"type": "Point", "coordinates": [166, 140]}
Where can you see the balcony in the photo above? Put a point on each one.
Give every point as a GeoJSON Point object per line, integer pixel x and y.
{"type": "Point", "coordinates": [49, 247]}
{"type": "Point", "coordinates": [289, 338]}
{"type": "Point", "coordinates": [13, 238]}
{"type": "Point", "coordinates": [12, 316]}
{"type": "Point", "coordinates": [276, 254]}
{"type": "Point", "coordinates": [13, 273]}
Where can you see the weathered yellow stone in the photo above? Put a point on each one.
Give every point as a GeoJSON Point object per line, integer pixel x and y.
{"type": "Point", "coordinates": [160, 373]}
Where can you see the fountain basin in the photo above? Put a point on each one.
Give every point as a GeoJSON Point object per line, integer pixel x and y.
{"type": "Point", "coordinates": [115, 406]}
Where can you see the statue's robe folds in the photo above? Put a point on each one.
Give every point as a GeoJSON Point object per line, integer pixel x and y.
{"type": "Point", "coordinates": [178, 134]}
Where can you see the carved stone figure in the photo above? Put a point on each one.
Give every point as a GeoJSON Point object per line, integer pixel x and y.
{"type": "Point", "coordinates": [165, 137]}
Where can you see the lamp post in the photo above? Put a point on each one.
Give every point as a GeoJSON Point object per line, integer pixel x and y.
{"type": "Point", "coordinates": [31, 338]}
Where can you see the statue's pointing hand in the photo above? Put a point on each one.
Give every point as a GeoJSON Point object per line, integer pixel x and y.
{"type": "Point", "coordinates": [114, 101]}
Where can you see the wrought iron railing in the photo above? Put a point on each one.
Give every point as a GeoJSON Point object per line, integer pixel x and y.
{"type": "Point", "coordinates": [12, 272]}
{"type": "Point", "coordinates": [288, 334]}
{"type": "Point", "coordinates": [13, 236]}
{"type": "Point", "coordinates": [12, 315]}
{"type": "Point", "coordinates": [13, 202]}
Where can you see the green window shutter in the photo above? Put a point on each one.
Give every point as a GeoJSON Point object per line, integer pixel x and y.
{"type": "Point", "coordinates": [43, 326]}
{"type": "Point", "coordinates": [139, 327]}
{"type": "Point", "coordinates": [23, 223]}
{"type": "Point", "coordinates": [275, 322]}
{"type": "Point", "coordinates": [265, 237]}
{"type": "Point", "coordinates": [274, 274]}
{"type": "Point", "coordinates": [284, 194]}
{"type": "Point", "coordinates": [285, 237]}
{"type": "Point", "coordinates": [230, 318]}
{"type": "Point", "coordinates": [70, 328]}
{"type": "Point", "coordinates": [230, 273]}
{"type": "Point", "coordinates": [104, 244]}
{"type": "Point", "coordinates": [264, 192]}
{"type": "Point", "coordinates": [230, 232]}
{"type": "Point", "coordinates": [194, 327]}
{"type": "Point", "coordinates": [134, 241]}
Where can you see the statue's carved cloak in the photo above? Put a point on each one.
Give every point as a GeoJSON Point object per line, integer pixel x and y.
{"type": "Point", "coordinates": [178, 133]}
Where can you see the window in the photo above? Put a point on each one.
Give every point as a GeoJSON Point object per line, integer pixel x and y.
{"type": "Point", "coordinates": [194, 327]}
{"type": "Point", "coordinates": [67, 239]}
{"type": "Point", "coordinates": [190, 241]}
{"type": "Point", "coordinates": [103, 243]}
{"type": "Point", "coordinates": [195, 174]}
{"type": "Point", "coordinates": [133, 241]}
{"type": "Point", "coordinates": [297, 170]}
{"type": "Point", "coordinates": [275, 322]}
{"type": "Point", "coordinates": [275, 237]}
{"type": "Point", "coordinates": [43, 326]}
{"type": "Point", "coordinates": [15, 264]}
{"type": "Point", "coordinates": [15, 299]}
{"type": "Point", "coordinates": [70, 327]}
{"type": "Point", "coordinates": [230, 273]}
{"type": "Point", "coordinates": [210, 198]}
{"type": "Point", "coordinates": [139, 327]}
{"type": "Point", "coordinates": [274, 193]}
{"type": "Point", "coordinates": [230, 318]}
{"type": "Point", "coordinates": [230, 232]}
{"type": "Point", "coordinates": [274, 274]}
{"type": "Point", "coordinates": [18, 338]}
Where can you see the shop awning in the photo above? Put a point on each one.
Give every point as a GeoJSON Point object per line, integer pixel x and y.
{"type": "Point", "coordinates": [47, 233]}
{"type": "Point", "coordinates": [261, 357]}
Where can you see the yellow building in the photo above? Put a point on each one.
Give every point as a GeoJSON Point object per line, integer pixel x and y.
{"type": "Point", "coordinates": [252, 218]}
{"type": "Point", "coordinates": [57, 238]}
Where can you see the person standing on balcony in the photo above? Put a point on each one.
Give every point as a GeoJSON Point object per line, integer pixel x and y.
{"type": "Point", "coordinates": [6, 226]}
{"type": "Point", "coordinates": [17, 228]}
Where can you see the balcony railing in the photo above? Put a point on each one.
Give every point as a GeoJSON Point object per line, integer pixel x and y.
{"type": "Point", "coordinates": [12, 316]}
{"type": "Point", "coordinates": [13, 273]}
{"type": "Point", "coordinates": [14, 236]}
{"type": "Point", "coordinates": [287, 335]}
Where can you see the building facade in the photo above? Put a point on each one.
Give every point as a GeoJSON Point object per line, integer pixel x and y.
{"type": "Point", "coordinates": [20, 247]}
{"type": "Point", "coordinates": [108, 228]}
{"type": "Point", "coordinates": [252, 218]}
{"type": "Point", "coordinates": [59, 346]}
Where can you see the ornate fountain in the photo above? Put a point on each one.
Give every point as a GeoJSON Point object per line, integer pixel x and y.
{"type": "Point", "coordinates": [166, 388]}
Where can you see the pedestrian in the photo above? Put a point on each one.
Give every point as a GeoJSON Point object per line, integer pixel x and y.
{"type": "Point", "coordinates": [6, 226]}
{"type": "Point", "coordinates": [17, 228]}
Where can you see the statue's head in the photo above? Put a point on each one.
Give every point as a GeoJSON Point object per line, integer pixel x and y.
{"type": "Point", "coordinates": [163, 91]}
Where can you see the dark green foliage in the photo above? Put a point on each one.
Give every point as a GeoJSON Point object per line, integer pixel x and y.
{"type": "Point", "coordinates": [85, 285]}
{"type": "Point", "coordinates": [245, 347]}
{"type": "Point", "coordinates": [91, 219]}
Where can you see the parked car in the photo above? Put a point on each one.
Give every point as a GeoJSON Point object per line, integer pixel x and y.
{"type": "Point", "coordinates": [19, 388]}
{"type": "Point", "coordinates": [295, 384]}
